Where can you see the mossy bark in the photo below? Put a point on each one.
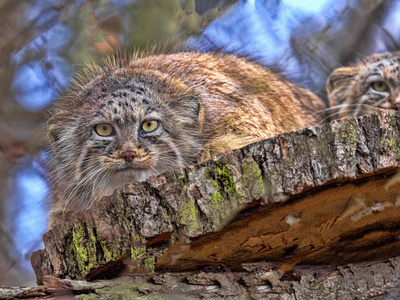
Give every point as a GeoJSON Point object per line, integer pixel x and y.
{"type": "Point", "coordinates": [324, 195]}
{"type": "Point", "coordinates": [368, 280]}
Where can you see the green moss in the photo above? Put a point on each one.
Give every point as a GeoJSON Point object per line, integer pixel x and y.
{"type": "Point", "coordinates": [258, 174]}
{"type": "Point", "coordinates": [189, 214]}
{"type": "Point", "coordinates": [207, 172]}
{"type": "Point", "coordinates": [143, 257]}
{"type": "Point", "coordinates": [84, 242]}
{"type": "Point", "coordinates": [180, 179]}
{"type": "Point", "coordinates": [165, 215]}
{"type": "Point", "coordinates": [223, 197]}
{"type": "Point", "coordinates": [150, 264]}
{"type": "Point", "coordinates": [137, 237]}
{"type": "Point", "coordinates": [393, 119]}
{"type": "Point", "coordinates": [251, 170]}
{"type": "Point", "coordinates": [109, 254]}
{"type": "Point", "coordinates": [390, 142]}
{"type": "Point", "coordinates": [226, 177]}
{"type": "Point", "coordinates": [214, 183]}
{"type": "Point", "coordinates": [123, 292]}
{"type": "Point", "coordinates": [252, 178]}
{"type": "Point", "coordinates": [350, 137]}
{"type": "Point", "coordinates": [217, 198]}
{"type": "Point", "coordinates": [128, 214]}
{"type": "Point", "coordinates": [138, 253]}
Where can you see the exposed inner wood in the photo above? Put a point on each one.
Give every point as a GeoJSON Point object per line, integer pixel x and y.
{"type": "Point", "coordinates": [350, 223]}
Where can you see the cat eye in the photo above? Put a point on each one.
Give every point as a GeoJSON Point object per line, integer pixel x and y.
{"type": "Point", "coordinates": [103, 129]}
{"type": "Point", "coordinates": [380, 86]}
{"type": "Point", "coordinates": [150, 126]}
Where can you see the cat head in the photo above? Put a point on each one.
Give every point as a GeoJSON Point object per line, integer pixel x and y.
{"type": "Point", "coordinates": [370, 85]}
{"type": "Point", "coordinates": [121, 127]}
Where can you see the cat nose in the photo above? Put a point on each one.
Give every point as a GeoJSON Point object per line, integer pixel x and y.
{"type": "Point", "coordinates": [128, 155]}
{"type": "Point", "coordinates": [396, 106]}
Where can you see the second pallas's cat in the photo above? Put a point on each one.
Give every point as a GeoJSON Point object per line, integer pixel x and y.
{"type": "Point", "coordinates": [138, 116]}
{"type": "Point", "coordinates": [369, 85]}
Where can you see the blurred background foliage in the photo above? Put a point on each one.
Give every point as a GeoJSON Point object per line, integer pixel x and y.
{"type": "Point", "coordinates": [45, 42]}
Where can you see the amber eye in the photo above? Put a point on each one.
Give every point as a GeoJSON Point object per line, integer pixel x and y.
{"type": "Point", "coordinates": [103, 129]}
{"type": "Point", "coordinates": [150, 126]}
{"type": "Point", "coordinates": [380, 86]}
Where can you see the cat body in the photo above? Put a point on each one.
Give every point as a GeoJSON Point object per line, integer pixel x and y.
{"type": "Point", "coordinates": [369, 85]}
{"type": "Point", "coordinates": [139, 116]}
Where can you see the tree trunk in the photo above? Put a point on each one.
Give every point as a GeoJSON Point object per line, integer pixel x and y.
{"type": "Point", "coordinates": [274, 219]}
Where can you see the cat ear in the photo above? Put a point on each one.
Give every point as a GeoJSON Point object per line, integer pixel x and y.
{"type": "Point", "coordinates": [338, 84]}
{"type": "Point", "coordinates": [189, 105]}
{"type": "Point", "coordinates": [190, 110]}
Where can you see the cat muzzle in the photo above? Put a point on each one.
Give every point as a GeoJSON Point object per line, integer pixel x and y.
{"type": "Point", "coordinates": [128, 155]}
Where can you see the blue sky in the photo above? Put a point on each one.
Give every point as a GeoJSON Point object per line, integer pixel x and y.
{"type": "Point", "coordinates": [308, 7]}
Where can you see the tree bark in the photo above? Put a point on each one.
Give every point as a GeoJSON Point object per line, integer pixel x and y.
{"type": "Point", "coordinates": [274, 217]}
{"type": "Point", "coordinates": [369, 280]}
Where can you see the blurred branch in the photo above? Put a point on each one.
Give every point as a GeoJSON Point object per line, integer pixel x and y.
{"type": "Point", "coordinates": [355, 41]}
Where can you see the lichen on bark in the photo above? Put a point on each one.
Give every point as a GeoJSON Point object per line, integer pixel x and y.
{"type": "Point", "coordinates": [271, 200]}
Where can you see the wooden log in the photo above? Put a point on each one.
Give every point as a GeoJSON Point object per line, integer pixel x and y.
{"type": "Point", "coordinates": [324, 195]}
{"type": "Point", "coordinates": [368, 280]}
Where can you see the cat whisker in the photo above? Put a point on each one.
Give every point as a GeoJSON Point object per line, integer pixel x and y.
{"type": "Point", "coordinates": [158, 173]}
{"type": "Point", "coordinates": [330, 116]}
{"type": "Point", "coordinates": [331, 108]}
{"type": "Point", "coordinates": [362, 109]}
{"type": "Point", "coordinates": [348, 105]}
{"type": "Point", "coordinates": [78, 188]}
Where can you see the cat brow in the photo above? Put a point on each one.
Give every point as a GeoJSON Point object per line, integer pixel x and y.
{"type": "Point", "coordinates": [152, 115]}
{"type": "Point", "coordinates": [374, 74]}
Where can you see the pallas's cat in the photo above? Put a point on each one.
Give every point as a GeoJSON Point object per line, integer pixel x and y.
{"type": "Point", "coordinates": [134, 117]}
{"type": "Point", "coordinates": [369, 85]}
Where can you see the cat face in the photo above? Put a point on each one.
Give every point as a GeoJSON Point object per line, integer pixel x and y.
{"type": "Point", "coordinates": [125, 130]}
{"type": "Point", "coordinates": [371, 85]}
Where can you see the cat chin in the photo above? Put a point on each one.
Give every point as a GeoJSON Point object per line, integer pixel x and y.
{"type": "Point", "coordinates": [120, 179]}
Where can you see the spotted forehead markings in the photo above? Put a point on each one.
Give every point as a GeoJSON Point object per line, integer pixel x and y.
{"type": "Point", "coordinates": [119, 94]}
{"type": "Point", "coordinates": [120, 102]}
{"type": "Point", "coordinates": [135, 88]}
{"type": "Point", "coordinates": [379, 66]}
{"type": "Point", "coordinates": [389, 67]}
{"type": "Point", "coordinates": [394, 59]}
{"type": "Point", "coordinates": [87, 93]}
{"type": "Point", "coordinates": [107, 104]}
